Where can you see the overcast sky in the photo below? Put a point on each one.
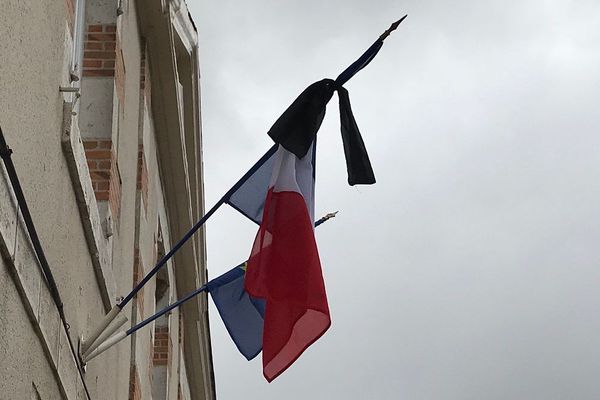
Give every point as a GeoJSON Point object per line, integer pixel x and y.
{"type": "Point", "coordinates": [471, 270]}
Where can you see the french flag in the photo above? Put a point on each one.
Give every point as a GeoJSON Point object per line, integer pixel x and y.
{"type": "Point", "coordinates": [284, 267]}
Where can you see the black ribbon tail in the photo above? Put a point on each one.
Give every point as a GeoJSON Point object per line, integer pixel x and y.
{"type": "Point", "coordinates": [358, 164]}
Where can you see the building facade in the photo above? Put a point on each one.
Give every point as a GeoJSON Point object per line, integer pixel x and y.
{"type": "Point", "coordinates": [100, 104]}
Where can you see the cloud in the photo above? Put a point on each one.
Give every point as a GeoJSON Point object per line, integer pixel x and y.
{"type": "Point", "coordinates": [470, 270]}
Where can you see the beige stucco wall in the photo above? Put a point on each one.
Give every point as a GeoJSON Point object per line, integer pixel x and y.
{"type": "Point", "coordinates": [35, 47]}
{"type": "Point", "coordinates": [31, 118]}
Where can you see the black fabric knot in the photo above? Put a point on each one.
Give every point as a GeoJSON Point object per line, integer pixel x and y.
{"type": "Point", "coordinates": [297, 128]}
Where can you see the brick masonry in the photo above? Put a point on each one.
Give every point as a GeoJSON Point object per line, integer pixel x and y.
{"type": "Point", "coordinates": [100, 50]}
{"type": "Point", "coordinates": [162, 346]}
{"type": "Point", "coordinates": [104, 172]}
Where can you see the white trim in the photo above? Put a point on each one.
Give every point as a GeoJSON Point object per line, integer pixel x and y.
{"type": "Point", "coordinates": [183, 25]}
{"type": "Point", "coordinates": [78, 40]}
{"type": "Point", "coordinates": [99, 245]}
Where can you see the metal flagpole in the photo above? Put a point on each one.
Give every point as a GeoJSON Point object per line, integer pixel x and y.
{"type": "Point", "coordinates": [197, 226]}
{"type": "Point", "coordinates": [102, 344]}
{"type": "Point", "coordinates": [326, 218]}
{"type": "Point", "coordinates": [92, 341]}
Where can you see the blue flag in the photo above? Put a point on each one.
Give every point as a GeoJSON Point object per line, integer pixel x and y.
{"type": "Point", "coordinates": [242, 315]}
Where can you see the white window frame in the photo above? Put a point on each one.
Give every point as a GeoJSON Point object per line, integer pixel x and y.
{"type": "Point", "coordinates": [78, 42]}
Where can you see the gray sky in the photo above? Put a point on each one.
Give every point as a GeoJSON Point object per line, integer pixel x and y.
{"type": "Point", "coordinates": [471, 270]}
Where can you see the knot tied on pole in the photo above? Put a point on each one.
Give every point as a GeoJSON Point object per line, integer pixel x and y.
{"type": "Point", "coordinates": [297, 127]}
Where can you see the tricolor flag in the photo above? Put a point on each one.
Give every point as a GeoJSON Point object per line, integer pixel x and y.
{"type": "Point", "coordinates": [284, 267]}
{"type": "Point", "coordinates": [284, 283]}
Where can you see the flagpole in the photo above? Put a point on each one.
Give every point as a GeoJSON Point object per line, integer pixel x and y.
{"type": "Point", "coordinates": [197, 226]}
{"type": "Point", "coordinates": [92, 341]}
{"type": "Point", "coordinates": [102, 343]}
{"type": "Point", "coordinates": [326, 218]}
{"type": "Point", "coordinates": [88, 344]}
{"type": "Point", "coordinates": [359, 64]}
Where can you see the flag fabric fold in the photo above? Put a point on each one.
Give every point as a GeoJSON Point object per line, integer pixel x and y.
{"type": "Point", "coordinates": [358, 164]}
{"type": "Point", "coordinates": [242, 314]}
{"type": "Point", "coordinates": [248, 196]}
{"type": "Point", "coordinates": [284, 267]}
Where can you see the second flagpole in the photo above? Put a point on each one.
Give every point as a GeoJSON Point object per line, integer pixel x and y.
{"type": "Point", "coordinates": [106, 341]}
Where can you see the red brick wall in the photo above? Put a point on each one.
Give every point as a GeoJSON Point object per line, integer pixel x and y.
{"type": "Point", "coordinates": [162, 346]}
{"type": "Point", "coordinates": [104, 172]}
{"type": "Point", "coordinates": [100, 50]}
{"type": "Point", "coordinates": [134, 384]}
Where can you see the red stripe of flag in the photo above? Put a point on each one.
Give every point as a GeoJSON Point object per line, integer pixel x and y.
{"type": "Point", "coordinates": [284, 268]}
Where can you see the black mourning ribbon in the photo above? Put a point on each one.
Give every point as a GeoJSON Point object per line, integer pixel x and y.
{"type": "Point", "coordinates": [297, 127]}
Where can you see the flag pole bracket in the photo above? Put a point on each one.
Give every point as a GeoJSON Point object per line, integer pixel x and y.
{"type": "Point", "coordinates": [88, 342]}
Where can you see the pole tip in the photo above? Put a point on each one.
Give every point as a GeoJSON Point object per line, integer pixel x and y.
{"type": "Point", "coordinates": [392, 28]}
{"type": "Point", "coordinates": [331, 214]}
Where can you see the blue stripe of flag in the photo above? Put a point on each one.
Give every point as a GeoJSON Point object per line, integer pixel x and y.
{"type": "Point", "coordinates": [242, 315]}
